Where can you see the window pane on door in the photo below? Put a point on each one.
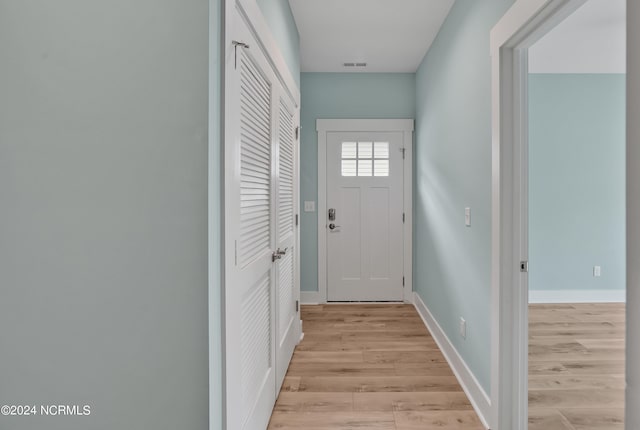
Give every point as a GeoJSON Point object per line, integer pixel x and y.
{"type": "Point", "coordinates": [349, 150]}
{"type": "Point", "coordinates": [381, 168]}
{"type": "Point", "coordinates": [365, 168]}
{"type": "Point", "coordinates": [381, 150]}
{"type": "Point", "coordinates": [365, 149]}
{"type": "Point", "coordinates": [349, 167]}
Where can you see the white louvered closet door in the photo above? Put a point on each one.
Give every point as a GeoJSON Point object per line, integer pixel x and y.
{"type": "Point", "coordinates": [261, 285]}
{"type": "Point", "coordinates": [287, 334]}
{"type": "Point", "coordinates": [250, 210]}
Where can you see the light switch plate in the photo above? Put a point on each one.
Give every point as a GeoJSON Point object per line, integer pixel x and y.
{"type": "Point", "coordinates": [463, 328]}
{"type": "Point", "coordinates": [467, 217]}
{"type": "Point", "coordinates": [309, 206]}
{"type": "Point", "coordinates": [597, 271]}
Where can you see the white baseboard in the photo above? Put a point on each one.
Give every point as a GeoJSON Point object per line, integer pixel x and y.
{"type": "Point", "coordinates": [577, 296]}
{"type": "Point", "coordinates": [309, 297]}
{"type": "Point", "coordinates": [472, 388]}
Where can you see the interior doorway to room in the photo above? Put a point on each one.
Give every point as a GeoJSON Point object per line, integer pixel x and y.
{"type": "Point", "coordinates": [576, 221]}
{"type": "Point", "coordinates": [515, 34]}
{"type": "Point", "coordinates": [363, 177]}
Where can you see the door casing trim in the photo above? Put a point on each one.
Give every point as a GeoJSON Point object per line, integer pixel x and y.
{"type": "Point", "coordinates": [523, 24]}
{"type": "Point", "coordinates": [406, 126]}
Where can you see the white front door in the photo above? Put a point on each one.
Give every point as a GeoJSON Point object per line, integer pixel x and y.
{"type": "Point", "coordinates": [365, 173]}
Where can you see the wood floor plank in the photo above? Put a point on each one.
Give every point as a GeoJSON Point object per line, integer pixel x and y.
{"type": "Point", "coordinates": [332, 421]}
{"type": "Point", "coordinates": [328, 357]}
{"type": "Point", "coordinates": [341, 369]}
{"type": "Point", "coordinates": [314, 402]}
{"type": "Point", "coordinates": [434, 356]}
{"type": "Point", "coordinates": [576, 398]}
{"type": "Point", "coordinates": [389, 345]}
{"type": "Point", "coordinates": [394, 401]}
{"type": "Point", "coordinates": [379, 384]}
{"type": "Point", "coordinates": [291, 383]}
{"type": "Point", "coordinates": [576, 382]}
{"type": "Point", "coordinates": [548, 419]}
{"type": "Point", "coordinates": [595, 418]}
{"type": "Point", "coordinates": [445, 420]}
{"type": "Point", "coordinates": [423, 369]}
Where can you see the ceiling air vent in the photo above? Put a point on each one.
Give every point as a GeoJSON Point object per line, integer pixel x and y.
{"type": "Point", "coordinates": [354, 64]}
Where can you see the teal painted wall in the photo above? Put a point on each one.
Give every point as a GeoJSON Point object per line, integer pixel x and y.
{"type": "Point", "coordinates": [576, 181]}
{"type": "Point", "coordinates": [104, 122]}
{"type": "Point", "coordinates": [336, 96]}
{"type": "Point", "coordinates": [452, 262]}
{"type": "Point", "coordinates": [283, 26]}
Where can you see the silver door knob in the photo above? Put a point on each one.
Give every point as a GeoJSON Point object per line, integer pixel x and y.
{"type": "Point", "coordinates": [332, 226]}
{"type": "Point", "coordinates": [277, 254]}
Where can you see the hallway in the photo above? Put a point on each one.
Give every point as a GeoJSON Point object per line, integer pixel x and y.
{"type": "Point", "coordinates": [369, 366]}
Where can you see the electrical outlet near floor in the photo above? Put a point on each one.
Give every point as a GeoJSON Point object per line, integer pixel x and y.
{"type": "Point", "coordinates": [463, 328]}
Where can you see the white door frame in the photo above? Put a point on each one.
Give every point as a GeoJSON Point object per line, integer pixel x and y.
{"type": "Point", "coordinates": [523, 24]}
{"type": "Point", "coordinates": [324, 126]}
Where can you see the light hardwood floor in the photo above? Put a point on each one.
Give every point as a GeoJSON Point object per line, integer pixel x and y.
{"type": "Point", "coordinates": [369, 367]}
{"type": "Point", "coordinates": [576, 366]}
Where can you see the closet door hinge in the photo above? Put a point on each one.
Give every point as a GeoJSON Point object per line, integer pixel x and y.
{"type": "Point", "coordinates": [403, 281]}
{"type": "Point", "coordinates": [235, 44]}
{"type": "Point", "coordinates": [297, 133]}
{"type": "Point", "coordinates": [402, 217]}
{"type": "Point", "coordinates": [297, 305]}
{"type": "Point", "coordinates": [296, 219]}
{"type": "Point", "coordinates": [403, 152]}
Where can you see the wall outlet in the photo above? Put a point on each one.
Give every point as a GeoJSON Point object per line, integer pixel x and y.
{"type": "Point", "coordinates": [463, 328]}
{"type": "Point", "coordinates": [309, 206]}
{"type": "Point", "coordinates": [467, 217]}
{"type": "Point", "coordinates": [597, 271]}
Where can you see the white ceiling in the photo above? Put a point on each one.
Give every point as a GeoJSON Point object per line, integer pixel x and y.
{"type": "Point", "coordinates": [389, 35]}
{"type": "Point", "coordinates": [591, 40]}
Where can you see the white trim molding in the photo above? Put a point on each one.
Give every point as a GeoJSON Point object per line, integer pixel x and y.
{"type": "Point", "coordinates": [523, 24]}
{"type": "Point", "coordinates": [632, 394]}
{"type": "Point", "coordinates": [252, 14]}
{"type": "Point", "coordinates": [324, 126]}
{"type": "Point", "coordinates": [577, 296]}
{"type": "Point", "coordinates": [472, 388]}
{"type": "Point", "coordinates": [310, 298]}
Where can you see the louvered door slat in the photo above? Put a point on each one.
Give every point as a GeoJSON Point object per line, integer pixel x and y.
{"type": "Point", "coordinates": [254, 78]}
{"type": "Point", "coordinates": [255, 165]}
{"type": "Point", "coordinates": [286, 174]}
{"type": "Point", "coordinates": [256, 341]}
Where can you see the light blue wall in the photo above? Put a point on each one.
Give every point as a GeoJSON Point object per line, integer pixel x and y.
{"type": "Point", "coordinates": [283, 26]}
{"type": "Point", "coordinates": [576, 181]}
{"type": "Point", "coordinates": [104, 119]}
{"type": "Point", "coordinates": [340, 95]}
{"type": "Point", "coordinates": [453, 170]}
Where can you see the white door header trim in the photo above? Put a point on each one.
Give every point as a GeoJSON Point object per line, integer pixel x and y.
{"type": "Point", "coordinates": [325, 125]}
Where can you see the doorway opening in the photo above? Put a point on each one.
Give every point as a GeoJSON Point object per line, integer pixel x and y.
{"type": "Point", "coordinates": [515, 227]}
